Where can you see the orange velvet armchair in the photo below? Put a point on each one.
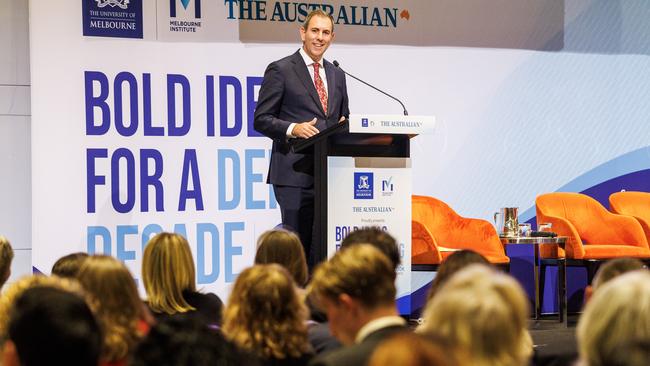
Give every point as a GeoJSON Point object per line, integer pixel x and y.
{"type": "Point", "coordinates": [438, 231]}
{"type": "Point", "coordinates": [593, 235]}
{"type": "Point", "coordinates": [636, 204]}
{"type": "Point", "coordinates": [593, 232]}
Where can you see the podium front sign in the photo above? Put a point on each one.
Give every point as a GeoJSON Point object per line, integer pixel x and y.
{"type": "Point", "coordinates": [367, 192]}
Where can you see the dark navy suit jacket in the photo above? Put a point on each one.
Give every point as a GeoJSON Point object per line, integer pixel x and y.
{"type": "Point", "coordinates": [358, 354]}
{"type": "Point", "coordinates": [288, 95]}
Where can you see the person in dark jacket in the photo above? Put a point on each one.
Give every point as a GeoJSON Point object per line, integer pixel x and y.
{"type": "Point", "coordinates": [356, 288]}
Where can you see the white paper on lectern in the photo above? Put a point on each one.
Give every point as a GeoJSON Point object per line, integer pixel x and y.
{"type": "Point", "coordinates": [392, 123]}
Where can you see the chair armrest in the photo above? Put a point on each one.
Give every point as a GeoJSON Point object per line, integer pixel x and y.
{"type": "Point", "coordinates": [645, 226]}
{"type": "Point", "coordinates": [563, 227]}
{"type": "Point", "coordinates": [484, 233]}
{"type": "Point", "coordinates": [424, 248]}
{"type": "Point", "coordinates": [628, 229]}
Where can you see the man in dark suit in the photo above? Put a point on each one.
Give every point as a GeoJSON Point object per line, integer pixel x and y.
{"type": "Point", "coordinates": [301, 95]}
{"type": "Point", "coordinates": [356, 289]}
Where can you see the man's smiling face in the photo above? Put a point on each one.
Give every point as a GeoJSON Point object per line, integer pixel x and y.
{"type": "Point", "coordinates": [317, 37]}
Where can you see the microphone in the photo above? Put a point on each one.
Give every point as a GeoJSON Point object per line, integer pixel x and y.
{"type": "Point", "coordinates": [336, 63]}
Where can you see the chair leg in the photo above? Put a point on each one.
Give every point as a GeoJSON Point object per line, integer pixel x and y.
{"type": "Point", "coordinates": [592, 268]}
{"type": "Point", "coordinates": [561, 287]}
{"type": "Point", "coordinates": [542, 282]}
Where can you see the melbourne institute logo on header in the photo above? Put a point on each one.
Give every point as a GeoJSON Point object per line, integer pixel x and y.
{"type": "Point", "coordinates": [363, 186]}
{"type": "Point", "coordinates": [112, 18]}
{"type": "Point", "coordinates": [184, 19]}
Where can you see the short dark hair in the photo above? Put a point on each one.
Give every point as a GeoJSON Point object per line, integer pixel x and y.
{"type": "Point", "coordinates": [320, 13]}
{"type": "Point", "coordinates": [183, 340]}
{"type": "Point", "coordinates": [50, 326]}
{"type": "Point", "coordinates": [284, 248]}
{"type": "Point", "coordinates": [376, 237]}
{"type": "Point", "coordinates": [359, 271]}
{"type": "Point", "coordinates": [614, 268]}
{"type": "Point", "coordinates": [6, 257]}
{"type": "Point", "coordinates": [68, 265]}
{"type": "Point", "coordinates": [452, 264]}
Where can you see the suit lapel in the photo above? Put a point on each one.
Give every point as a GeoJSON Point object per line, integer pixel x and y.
{"type": "Point", "coordinates": [303, 74]}
{"type": "Point", "coordinates": [331, 85]}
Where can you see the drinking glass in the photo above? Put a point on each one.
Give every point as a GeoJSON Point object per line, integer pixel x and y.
{"type": "Point", "coordinates": [545, 226]}
{"type": "Point", "coordinates": [524, 230]}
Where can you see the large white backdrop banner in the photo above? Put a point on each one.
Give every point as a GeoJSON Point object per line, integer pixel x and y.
{"type": "Point", "coordinates": [134, 136]}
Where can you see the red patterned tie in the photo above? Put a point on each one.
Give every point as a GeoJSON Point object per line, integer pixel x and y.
{"type": "Point", "coordinates": [320, 87]}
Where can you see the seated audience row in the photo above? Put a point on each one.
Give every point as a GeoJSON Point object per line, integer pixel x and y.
{"type": "Point", "coordinates": [475, 314]}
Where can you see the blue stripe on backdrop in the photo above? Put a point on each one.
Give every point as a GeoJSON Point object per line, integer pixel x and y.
{"type": "Point", "coordinates": [629, 171]}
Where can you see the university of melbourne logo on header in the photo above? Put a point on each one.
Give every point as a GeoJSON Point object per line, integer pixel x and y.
{"type": "Point", "coordinates": [112, 18]}
{"type": "Point", "coordinates": [364, 122]}
{"type": "Point", "coordinates": [363, 186]}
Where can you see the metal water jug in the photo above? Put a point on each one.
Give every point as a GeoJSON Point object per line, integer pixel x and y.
{"type": "Point", "coordinates": [507, 221]}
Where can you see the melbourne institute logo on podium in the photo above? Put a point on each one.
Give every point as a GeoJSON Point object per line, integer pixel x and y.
{"type": "Point", "coordinates": [112, 18]}
{"type": "Point", "coordinates": [363, 186]}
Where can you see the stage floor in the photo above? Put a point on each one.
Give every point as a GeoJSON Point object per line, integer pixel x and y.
{"type": "Point", "coordinates": [555, 344]}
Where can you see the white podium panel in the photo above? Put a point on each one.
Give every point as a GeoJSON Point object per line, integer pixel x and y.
{"type": "Point", "coordinates": [366, 192]}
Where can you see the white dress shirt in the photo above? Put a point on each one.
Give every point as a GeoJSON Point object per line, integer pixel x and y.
{"type": "Point", "coordinates": [377, 324]}
{"type": "Point", "coordinates": [310, 69]}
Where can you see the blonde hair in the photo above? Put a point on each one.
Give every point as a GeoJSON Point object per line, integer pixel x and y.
{"type": "Point", "coordinates": [6, 256]}
{"type": "Point", "coordinates": [265, 315]}
{"type": "Point", "coordinates": [118, 306]}
{"type": "Point", "coordinates": [16, 289]}
{"type": "Point", "coordinates": [284, 248]}
{"type": "Point", "coordinates": [616, 317]}
{"type": "Point", "coordinates": [360, 271]}
{"type": "Point", "coordinates": [483, 313]}
{"type": "Point", "coordinates": [167, 271]}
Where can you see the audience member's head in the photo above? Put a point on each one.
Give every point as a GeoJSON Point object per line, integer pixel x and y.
{"type": "Point", "coordinates": [6, 257]}
{"type": "Point", "coordinates": [68, 265]}
{"type": "Point", "coordinates": [168, 270]}
{"type": "Point", "coordinates": [454, 263]}
{"type": "Point", "coordinates": [13, 292]}
{"type": "Point", "coordinates": [284, 248]}
{"type": "Point", "coordinates": [614, 268]}
{"type": "Point", "coordinates": [483, 313]}
{"type": "Point", "coordinates": [412, 349]}
{"type": "Point", "coordinates": [378, 238]}
{"type": "Point", "coordinates": [265, 315]}
{"type": "Point", "coordinates": [610, 270]}
{"type": "Point", "coordinates": [50, 326]}
{"type": "Point", "coordinates": [615, 326]}
{"type": "Point", "coordinates": [116, 302]}
{"type": "Point", "coordinates": [185, 341]}
{"type": "Point", "coordinates": [355, 286]}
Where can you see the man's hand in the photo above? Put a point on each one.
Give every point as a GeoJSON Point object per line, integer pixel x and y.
{"type": "Point", "coordinates": [341, 119]}
{"type": "Point", "coordinates": [305, 130]}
